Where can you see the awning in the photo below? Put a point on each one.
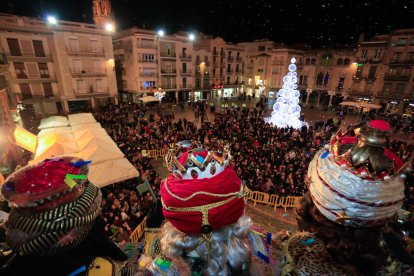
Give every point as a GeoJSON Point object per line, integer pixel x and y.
{"type": "Point", "coordinates": [53, 121]}
{"type": "Point", "coordinates": [81, 118]}
{"type": "Point", "coordinates": [147, 99]}
{"type": "Point", "coordinates": [120, 170]}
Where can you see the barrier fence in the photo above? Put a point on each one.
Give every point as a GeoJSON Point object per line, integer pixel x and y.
{"type": "Point", "coordinates": [139, 231]}
{"type": "Point", "coordinates": [155, 153]}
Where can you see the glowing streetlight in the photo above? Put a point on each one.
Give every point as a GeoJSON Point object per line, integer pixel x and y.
{"type": "Point", "coordinates": [191, 37]}
{"type": "Point", "coordinates": [52, 20]}
{"type": "Point", "coordinates": [161, 33]}
{"type": "Point", "coordinates": [109, 27]}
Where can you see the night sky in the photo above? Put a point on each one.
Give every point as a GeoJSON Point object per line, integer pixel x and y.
{"type": "Point", "coordinates": [315, 22]}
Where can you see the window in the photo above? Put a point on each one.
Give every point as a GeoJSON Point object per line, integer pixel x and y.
{"type": "Point", "coordinates": [228, 80]}
{"type": "Point", "coordinates": [184, 67]}
{"type": "Point", "coordinates": [319, 78]}
{"type": "Point", "coordinates": [198, 60]}
{"type": "Point", "coordinates": [261, 48]}
{"type": "Point", "coordinates": [372, 72]}
{"type": "Point", "coordinates": [26, 91]}
{"type": "Point", "coordinates": [261, 61]}
{"type": "Point", "coordinates": [228, 67]}
{"type": "Point", "coordinates": [313, 61]}
{"type": "Point", "coordinates": [77, 65]}
{"type": "Point", "coordinates": [307, 61]}
{"type": "Point", "coordinates": [238, 54]}
{"type": "Point", "coordinates": [38, 48]}
{"type": "Point", "coordinates": [184, 82]}
{"type": "Point", "coordinates": [47, 89]}
{"type": "Point", "coordinates": [347, 61]}
{"type": "Point", "coordinates": [184, 52]}
{"type": "Point", "coordinates": [222, 51]}
{"type": "Point", "coordinates": [198, 83]}
{"type": "Point", "coordinates": [378, 53]}
{"type": "Point", "coordinates": [399, 90]}
{"type": "Point", "coordinates": [364, 54]}
{"type": "Point", "coordinates": [20, 70]}
{"type": "Point", "coordinates": [148, 84]}
{"type": "Point", "coordinates": [43, 70]}
{"type": "Point", "coordinates": [341, 83]}
{"type": "Point", "coordinates": [326, 59]}
{"type": "Point", "coordinates": [340, 61]}
{"type": "Point", "coordinates": [326, 79]}
{"type": "Point", "coordinates": [73, 44]}
{"type": "Point", "coordinates": [405, 72]}
{"type": "Point", "coordinates": [410, 56]}
{"type": "Point", "coordinates": [229, 54]}
{"type": "Point", "coordinates": [260, 71]}
{"type": "Point", "coordinates": [99, 85]}
{"type": "Point", "coordinates": [392, 71]}
{"type": "Point", "coordinates": [206, 59]}
{"type": "Point", "coordinates": [396, 56]}
{"type": "Point", "coordinates": [214, 50]}
{"type": "Point", "coordinates": [14, 47]}
{"type": "Point", "coordinates": [401, 41]}
{"type": "Point", "coordinates": [80, 84]}
{"type": "Point", "coordinates": [94, 45]}
{"type": "Point", "coordinates": [359, 71]}
{"type": "Point", "coordinates": [148, 57]}
{"type": "Point", "coordinates": [237, 68]}
{"type": "Point", "coordinates": [387, 89]}
{"type": "Point", "coordinates": [412, 41]}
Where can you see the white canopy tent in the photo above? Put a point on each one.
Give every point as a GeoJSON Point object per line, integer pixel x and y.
{"type": "Point", "coordinates": [54, 121]}
{"type": "Point", "coordinates": [147, 99]}
{"type": "Point", "coordinates": [81, 118]}
{"type": "Point", "coordinates": [83, 137]}
{"type": "Point", "coordinates": [120, 170]}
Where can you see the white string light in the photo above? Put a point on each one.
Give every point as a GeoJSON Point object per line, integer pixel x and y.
{"type": "Point", "coordinates": [286, 110]}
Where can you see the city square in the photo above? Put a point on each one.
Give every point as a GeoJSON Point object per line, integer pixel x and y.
{"type": "Point", "coordinates": [230, 141]}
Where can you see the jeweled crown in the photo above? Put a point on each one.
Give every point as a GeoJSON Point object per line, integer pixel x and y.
{"type": "Point", "coordinates": [187, 162]}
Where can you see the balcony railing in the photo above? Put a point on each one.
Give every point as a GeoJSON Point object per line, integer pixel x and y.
{"type": "Point", "coordinates": [186, 86]}
{"type": "Point", "coordinates": [90, 90]}
{"type": "Point", "coordinates": [238, 71]}
{"type": "Point", "coordinates": [186, 72]}
{"type": "Point", "coordinates": [215, 53]}
{"type": "Point", "coordinates": [98, 51]}
{"type": "Point", "coordinates": [215, 63]}
{"type": "Point", "coordinates": [230, 71]}
{"type": "Point", "coordinates": [140, 60]}
{"type": "Point", "coordinates": [169, 86]}
{"type": "Point", "coordinates": [168, 71]}
{"type": "Point", "coordinates": [146, 46]}
{"type": "Point", "coordinates": [27, 77]}
{"type": "Point", "coordinates": [88, 72]}
{"type": "Point", "coordinates": [392, 77]}
{"type": "Point", "coordinates": [148, 75]}
{"type": "Point", "coordinates": [222, 54]}
{"type": "Point", "coordinates": [250, 65]}
{"type": "Point", "coordinates": [239, 59]}
{"type": "Point", "coordinates": [185, 57]}
{"type": "Point", "coordinates": [230, 59]}
{"type": "Point", "coordinates": [168, 55]}
{"type": "Point", "coordinates": [26, 56]}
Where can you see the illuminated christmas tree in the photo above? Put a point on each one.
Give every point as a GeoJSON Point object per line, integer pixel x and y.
{"type": "Point", "coordinates": [286, 110]}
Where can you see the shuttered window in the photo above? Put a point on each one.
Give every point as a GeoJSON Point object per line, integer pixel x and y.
{"type": "Point", "coordinates": [14, 47]}
{"type": "Point", "coordinates": [38, 48]}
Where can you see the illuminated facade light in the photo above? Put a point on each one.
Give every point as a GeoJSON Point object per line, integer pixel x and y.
{"type": "Point", "coordinates": [109, 27]}
{"type": "Point", "coordinates": [191, 37]}
{"type": "Point", "coordinates": [161, 33]}
{"type": "Point", "coordinates": [52, 20]}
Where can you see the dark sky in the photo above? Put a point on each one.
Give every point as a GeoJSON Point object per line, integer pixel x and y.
{"type": "Point", "coordinates": [316, 22]}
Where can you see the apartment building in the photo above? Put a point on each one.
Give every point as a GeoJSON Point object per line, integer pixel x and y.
{"type": "Point", "coordinates": [219, 67]}
{"type": "Point", "coordinates": [60, 67]}
{"type": "Point", "coordinates": [147, 62]}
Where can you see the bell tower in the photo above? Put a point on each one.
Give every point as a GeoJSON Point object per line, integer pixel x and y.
{"type": "Point", "coordinates": [102, 13]}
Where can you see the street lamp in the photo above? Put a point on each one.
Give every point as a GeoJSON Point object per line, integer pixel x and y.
{"type": "Point", "coordinates": [191, 37]}
{"type": "Point", "coordinates": [161, 33]}
{"type": "Point", "coordinates": [109, 27]}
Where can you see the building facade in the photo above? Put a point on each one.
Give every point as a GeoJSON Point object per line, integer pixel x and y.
{"type": "Point", "coordinates": [55, 68]}
{"type": "Point", "coordinates": [147, 62]}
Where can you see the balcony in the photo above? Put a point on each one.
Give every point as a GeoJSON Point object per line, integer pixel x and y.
{"type": "Point", "coordinates": [250, 65]}
{"type": "Point", "coordinates": [148, 75]}
{"type": "Point", "coordinates": [186, 73]}
{"type": "Point", "coordinates": [185, 57]}
{"type": "Point", "coordinates": [146, 46]}
{"type": "Point", "coordinates": [215, 53]}
{"type": "Point", "coordinates": [85, 51]}
{"type": "Point", "coordinates": [391, 77]}
{"type": "Point", "coordinates": [87, 72]}
{"type": "Point", "coordinates": [36, 95]}
{"type": "Point", "coordinates": [29, 57]}
{"type": "Point", "coordinates": [169, 86]}
{"type": "Point", "coordinates": [167, 55]}
{"type": "Point", "coordinates": [24, 78]}
{"type": "Point", "coordinates": [320, 87]}
{"type": "Point", "coordinates": [82, 92]}
{"type": "Point", "coordinates": [230, 71]}
{"type": "Point", "coordinates": [215, 63]}
{"type": "Point", "coordinates": [230, 59]}
{"type": "Point", "coordinates": [186, 86]}
{"type": "Point", "coordinates": [374, 60]}
{"type": "Point", "coordinates": [239, 60]}
{"type": "Point", "coordinates": [140, 60]}
{"type": "Point", "coordinates": [168, 72]}
{"type": "Point", "coordinates": [222, 54]}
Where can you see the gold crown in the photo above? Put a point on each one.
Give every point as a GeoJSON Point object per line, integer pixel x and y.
{"type": "Point", "coordinates": [195, 166]}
